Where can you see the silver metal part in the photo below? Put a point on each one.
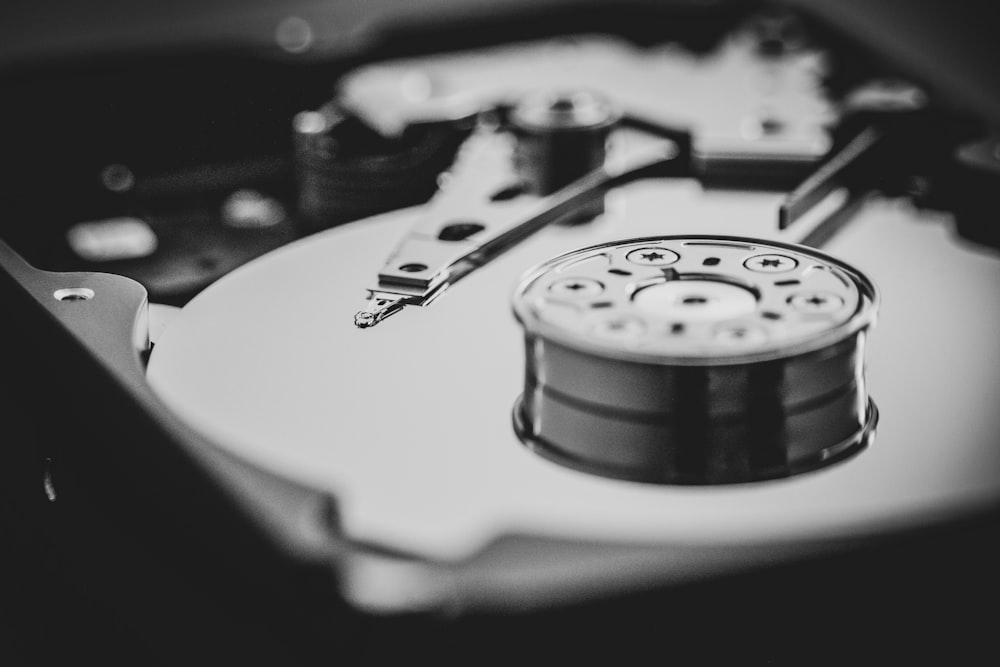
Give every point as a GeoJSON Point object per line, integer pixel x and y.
{"type": "Point", "coordinates": [695, 360]}
{"type": "Point", "coordinates": [827, 177]}
{"type": "Point", "coordinates": [561, 136]}
{"type": "Point", "coordinates": [720, 97]}
{"type": "Point", "coordinates": [799, 300]}
{"type": "Point", "coordinates": [466, 225]}
{"type": "Point", "coordinates": [553, 109]}
{"type": "Point", "coordinates": [380, 306]}
{"type": "Point", "coordinates": [408, 425]}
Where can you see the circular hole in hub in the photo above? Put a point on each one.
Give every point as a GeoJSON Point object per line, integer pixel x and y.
{"type": "Point", "coordinates": [74, 294]}
{"type": "Point", "coordinates": [413, 267]}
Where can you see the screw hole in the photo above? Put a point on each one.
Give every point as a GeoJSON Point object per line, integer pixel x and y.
{"type": "Point", "coordinates": [771, 126]}
{"type": "Point", "coordinates": [562, 104]}
{"type": "Point", "coordinates": [459, 231]}
{"type": "Point", "coordinates": [74, 294]}
{"type": "Point", "coordinates": [413, 267]}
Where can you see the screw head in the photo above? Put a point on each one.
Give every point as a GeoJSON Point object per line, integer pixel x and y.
{"type": "Point", "coordinates": [816, 302]}
{"type": "Point", "coordinates": [652, 256]}
{"type": "Point", "coordinates": [770, 263]}
{"type": "Point", "coordinates": [576, 287]}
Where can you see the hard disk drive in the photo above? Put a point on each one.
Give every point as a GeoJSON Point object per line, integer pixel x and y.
{"type": "Point", "coordinates": [661, 330]}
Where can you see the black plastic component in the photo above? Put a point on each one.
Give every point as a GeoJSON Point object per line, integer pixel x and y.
{"type": "Point", "coordinates": [349, 171]}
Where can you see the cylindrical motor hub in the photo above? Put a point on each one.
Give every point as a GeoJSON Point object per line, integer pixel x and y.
{"type": "Point", "coordinates": [695, 360]}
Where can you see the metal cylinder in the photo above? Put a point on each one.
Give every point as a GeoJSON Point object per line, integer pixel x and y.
{"type": "Point", "coordinates": [561, 136]}
{"type": "Point", "coordinates": [345, 171]}
{"type": "Point", "coordinates": [695, 360]}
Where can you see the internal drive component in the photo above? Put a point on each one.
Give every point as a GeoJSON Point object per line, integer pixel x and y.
{"type": "Point", "coordinates": [345, 171]}
{"type": "Point", "coordinates": [695, 360]}
{"type": "Point", "coordinates": [562, 136]}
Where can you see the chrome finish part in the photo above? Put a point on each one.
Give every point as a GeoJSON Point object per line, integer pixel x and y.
{"type": "Point", "coordinates": [710, 371]}
{"type": "Point", "coordinates": [711, 96]}
{"type": "Point", "coordinates": [799, 299]}
{"type": "Point", "coordinates": [432, 256]}
{"type": "Point", "coordinates": [380, 306]}
{"type": "Point", "coordinates": [561, 136]}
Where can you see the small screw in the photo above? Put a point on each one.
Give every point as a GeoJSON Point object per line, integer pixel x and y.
{"type": "Point", "coordinates": [771, 263]}
{"type": "Point", "coordinates": [652, 256]}
{"type": "Point", "coordinates": [576, 287]}
{"type": "Point", "coordinates": [816, 302]}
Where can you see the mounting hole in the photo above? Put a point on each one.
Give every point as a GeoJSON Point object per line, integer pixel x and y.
{"type": "Point", "coordinates": [562, 104]}
{"type": "Point", "coordinates": [459, 231]}
{"type": "Point", "coordinates": [413, 267]}
{"type": "Point", "coordinates": [694, 300]}
{"type": "Point", "coordinates": [711, 261]}
{"type": "Point", "coordinates": [73, 294]}
{"type": "Point", "coordinates": [771, 126]}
